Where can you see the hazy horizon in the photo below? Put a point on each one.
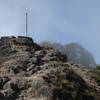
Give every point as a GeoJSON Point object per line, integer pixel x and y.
{"type": "Point", "coordinates": [62, 21]}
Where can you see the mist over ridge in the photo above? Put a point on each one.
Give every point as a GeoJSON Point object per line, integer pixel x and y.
{"type": "Point", "coordinates": [55, 20]}
{"type": "Point", "coordinates": [74, 52]}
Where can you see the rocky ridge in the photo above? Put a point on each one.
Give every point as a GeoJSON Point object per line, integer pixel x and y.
{"type": "Point", "coordinates": [74, 52]}
{"type": "Point", "coordinates": [31, 72]}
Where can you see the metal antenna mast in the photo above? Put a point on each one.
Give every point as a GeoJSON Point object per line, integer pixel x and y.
{"type": "Point", "coordinates": [26, 24]}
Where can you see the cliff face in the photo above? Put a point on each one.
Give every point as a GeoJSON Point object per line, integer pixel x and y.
{"type": "Point", "coordinates": [31, 72]}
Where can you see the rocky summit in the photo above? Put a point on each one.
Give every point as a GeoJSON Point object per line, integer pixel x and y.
{"type": "Point", "coordinates": [32, 72]}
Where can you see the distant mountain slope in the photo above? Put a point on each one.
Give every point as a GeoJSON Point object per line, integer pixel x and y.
{"type": "Point", "coordinates": [74, 52]}
{"type": "Point", "coordinates": [78, 54]}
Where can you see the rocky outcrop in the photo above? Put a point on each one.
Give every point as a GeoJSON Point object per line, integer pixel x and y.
{"type": "Point", "coordinates": [74, 52]}
{"type": "Point", "coordinates": [31, 72]}
{"type": "Point", "coordinates": [19, 43]}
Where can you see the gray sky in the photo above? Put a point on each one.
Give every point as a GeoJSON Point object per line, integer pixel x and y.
{"type": "Point", "coordinates": [61, 21]}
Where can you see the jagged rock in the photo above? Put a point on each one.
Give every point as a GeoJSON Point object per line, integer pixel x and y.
{"type": "Point", "coordinates": [10, 91]}
{"type": "Point", "coordinates": [8, 86]}
{"type": "Point", "coordinates": [41, 88]}
{"type": "Point", "coordinates": [31, 72]}
{"type": "Point", "coordinates": [3, 81]}
{"type": "Point", "coordinates": [21, 84]}
{"type": "Point", "coordinates": [35, 60]}
{"type": "Point", "coordinates": [31, 67]}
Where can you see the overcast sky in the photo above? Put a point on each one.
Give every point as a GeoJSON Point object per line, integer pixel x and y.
{"type": "Point", "coordinates": [61, 21]}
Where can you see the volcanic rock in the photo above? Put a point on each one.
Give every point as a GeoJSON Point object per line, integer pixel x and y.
{"type": "Point", "coordinates": [31, 72]}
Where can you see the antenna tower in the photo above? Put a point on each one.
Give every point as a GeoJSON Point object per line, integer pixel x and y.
{"type": "Point", "coordinates": [26, 24]}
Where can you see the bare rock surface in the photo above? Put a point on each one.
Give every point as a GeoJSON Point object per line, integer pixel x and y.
{"type": "Point", "coordinates": [31, 72]}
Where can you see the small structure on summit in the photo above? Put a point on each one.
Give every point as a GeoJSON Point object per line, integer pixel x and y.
{"type": "Point", "coordinates": [19, 43]}
{"type": "Point", "coordinates": [20, 40]}
{"type": "Point", "coordinates": [26, 24]}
